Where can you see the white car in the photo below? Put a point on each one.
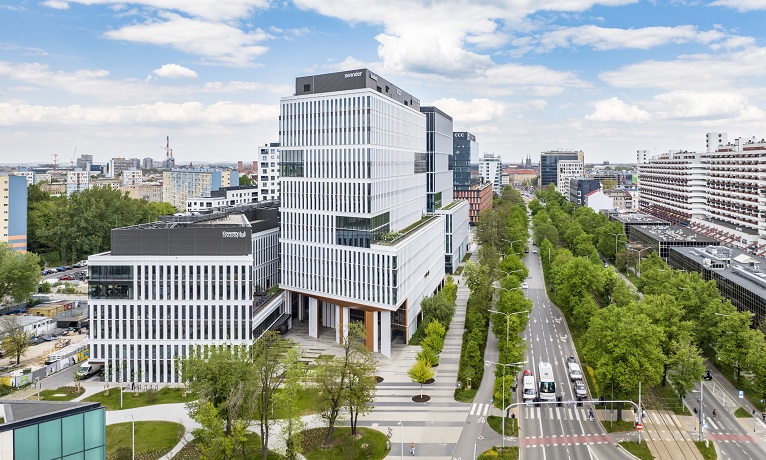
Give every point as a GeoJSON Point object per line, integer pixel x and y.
{"type": "Point", "coordinates": [534, 251]}
{"type": "Point", "coordinates": [524, 285]}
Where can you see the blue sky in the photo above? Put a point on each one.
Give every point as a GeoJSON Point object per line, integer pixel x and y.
{"type": "Point", "coordinates": [611, 77]}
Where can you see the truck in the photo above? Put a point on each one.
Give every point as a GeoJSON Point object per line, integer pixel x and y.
{"type": "Point", "coordinates": [87, 369]}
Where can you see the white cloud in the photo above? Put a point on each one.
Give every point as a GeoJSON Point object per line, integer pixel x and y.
{"type": "Point", "coordinates": [475, 110]}
{"type": "Point", "coordinates": [215, 42]}
{"type": "Point", "coordinates": [56, 4]}
{"type": "Point", "coordinates": [188, 113]}
{"type": "Point", "coordinates": [174, 71]}
{"type": "Point", "coordinates": [741, 5]}
{"type": "Point", "coordinates": [700, 72]}
{"type": "Point", "coordinates": [441, 47]}
{"type": "Point", "coordinates": [602, 38]}
{"type": "Point", "coordinates": [614, 109]}
{"type": "Point", "coordinates": [691, 105]}
{"type": "Point", "coordinates": [217, 10]}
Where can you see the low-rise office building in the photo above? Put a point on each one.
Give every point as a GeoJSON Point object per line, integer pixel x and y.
{"type": "Point", "coordinates": [634, 219]}
{"type": "Point", "coordinates": [661, 238]}
{"type": "Point", "coordinates": [44, 430]}
{"type": "Point", "coordinates": [738, 275]}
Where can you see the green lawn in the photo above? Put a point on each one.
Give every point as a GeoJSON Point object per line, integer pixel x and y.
{"type": "Point", "coordinates": [617, 425]}
{"type": "Point", "coordinates": [370, 444]}
{"type": "Point", "coordinates": [500, 453]}
{"type": "Point", "coordinates": [708, 453]}
{"type": "Point", "coordinates": [144, 398]}
{"type": "Point", "coordinates": [511, 425]}
{"type": "Point", "coordinates": [252, 451]}
{"type": "Point", "coordinates": [742, 413]}
{"type": "Point", "coordinates": [59, 394]}
{"type": "Point", "coordinates": [463, 395]}
{"type": "Point", "coordinates": [306, 402]}
{"type": "Point", "coordinates": [641, 451]}
{"type": "Point", "coordinates": [153, 439]}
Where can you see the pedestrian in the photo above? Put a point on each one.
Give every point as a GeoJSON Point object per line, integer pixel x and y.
{"type": "Point", "coordinates": [590, 415]}
{"type": "Point", "coordinates": [412, 448]}
{"type": "Point", "coordinates": [643, 414]}
{"type": "Point", "coordinates": [715, 415]}
{"type": "Point", "coordinates": [763, 416]}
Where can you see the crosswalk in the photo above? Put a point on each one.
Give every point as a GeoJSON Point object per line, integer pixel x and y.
{"type": "Point", "coordinates": [480, 409]}
{"type": "Point", "coordinates": [534, 413]}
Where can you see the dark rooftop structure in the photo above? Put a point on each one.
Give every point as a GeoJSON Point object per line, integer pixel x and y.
{"type": "Point", "coordinates": [629, 220]}
{"type": "Point", "coordinates": [662, 237]}
{"type": "Point", "coordinates": [739, 275]}
{"type": "Point", "coordinates": [350, 80]}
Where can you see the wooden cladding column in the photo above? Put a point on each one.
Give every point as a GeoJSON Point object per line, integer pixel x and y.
{"type": "Point", "coordinates": [369, 325]}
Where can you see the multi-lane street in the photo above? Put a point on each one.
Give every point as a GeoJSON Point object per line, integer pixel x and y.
{"type": "Point", "coordinates": [550, 431]}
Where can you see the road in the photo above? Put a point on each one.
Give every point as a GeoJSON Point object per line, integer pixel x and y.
{"type": "Point", "coordinates": [549, 432]}
{"type": "Point", "coordinates": [734, 437]}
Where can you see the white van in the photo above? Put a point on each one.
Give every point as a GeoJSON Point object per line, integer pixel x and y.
{"type": "Point", "coordinates": [528, 387]}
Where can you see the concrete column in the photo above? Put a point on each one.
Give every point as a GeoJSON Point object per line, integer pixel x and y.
{"type": "Point", "coordinates": [313, 318]}
{"type": "Point", "coordinates": [345, 320]}
{"type": "Point", "coordinates": [375, 332]}
{"type": "Point", "coordinates": [338, 324]}
{"type": "Point", "coordinates": [385, 333]}
{"type": "Point", "coordinates": [293, 297]}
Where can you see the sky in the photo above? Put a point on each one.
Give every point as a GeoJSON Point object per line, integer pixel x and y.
{"type": "Point", "coordinates": [610, 77]}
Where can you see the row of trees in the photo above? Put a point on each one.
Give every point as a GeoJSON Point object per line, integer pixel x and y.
{"type": "Point", "coordinates": [19, 274]}
{"type": "Point", "coordinates": [80, 224]}
{"type": "Point", "coordinates": [507, 272]}
{"type": "Point", "coordinates": [658, 339]}
{"type": "Point", "coordinates": [239, 385]}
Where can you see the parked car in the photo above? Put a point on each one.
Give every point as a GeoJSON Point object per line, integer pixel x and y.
{"type": "Point", "coordinates": [66, 278]}
{"type": "Point", "coordinates": [60, 269]}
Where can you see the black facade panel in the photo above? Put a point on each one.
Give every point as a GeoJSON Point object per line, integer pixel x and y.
{"type": "Point", "coordinates": [183, 241]}
{"type": "Point", "coordinates": [350, 80]}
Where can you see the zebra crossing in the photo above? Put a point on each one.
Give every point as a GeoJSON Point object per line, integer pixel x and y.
{"type": "Point", "coordinates": [480, 409]}
{"type": "Point", "coordinates": [534, 413]}
{"type": "Point", "coordinates": [558, 413]}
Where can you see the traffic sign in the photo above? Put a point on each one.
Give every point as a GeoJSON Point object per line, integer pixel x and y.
{"type": "Point", "coordinates": [639, 426]}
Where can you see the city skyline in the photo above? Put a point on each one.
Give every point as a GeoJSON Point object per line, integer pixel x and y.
{"type": "Point", "coordinates": [112, 79]}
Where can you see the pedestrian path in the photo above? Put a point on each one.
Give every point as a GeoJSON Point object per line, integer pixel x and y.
{"type": "Point", "coordinates": [556, 413]}
{"type": "Point", "coordinates": [480, 409]}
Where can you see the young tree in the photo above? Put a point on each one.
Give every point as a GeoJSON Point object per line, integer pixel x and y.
{"type": "Point", "coordinates": [361, 387]}
{"type": "Point", "coordinates": [15, 341]}
{"type": "Point", "coordinates": [273, 358]}
{"type": "Point", "coordinates": [19, 274]}
{"type": "Point", "coordinates": [421, 372]}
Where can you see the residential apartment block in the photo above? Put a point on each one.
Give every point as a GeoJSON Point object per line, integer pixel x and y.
{"type": "Point", "coordinates": [268, 172]}
{"type": "Point", "coordinates": [77, 181]}
{"type": "Point", "coordinates": [568, 169]}
{"type": "Point", "coordinates": [180, 185]}
{"type": "Point", "coordinates": [491, 171]}
{"type": "Point", "coordinates": [13, 202]}
{"type": "Point", "coordinates": [549, 171]}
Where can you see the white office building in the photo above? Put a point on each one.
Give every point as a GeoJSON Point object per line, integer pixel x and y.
{"type": "Point", "coordinates": [132, 177]}
{"type": "Point", "coordinates": [223, 198]}
{"type": "Point", "coordinates": [357, 243]}
{"type": "Point", "coordinates": [187, 281]}
{"type": "Point", "coordinates": [568, 169]}
{"type": "Point", "coordinates": [491, 170]}
{"type": "Point", "coordinates": [268, 172]}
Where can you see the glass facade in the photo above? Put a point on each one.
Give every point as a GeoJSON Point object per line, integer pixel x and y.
{"type": "Point", "coordinates": [75, 434]}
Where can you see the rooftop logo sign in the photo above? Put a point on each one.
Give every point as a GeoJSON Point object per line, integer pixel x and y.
{"type": "Point", "coordinates": [225, 234]}
{"type": "Point", "coordinates": [353, 74]}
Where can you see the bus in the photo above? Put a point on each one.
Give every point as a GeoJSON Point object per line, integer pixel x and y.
{"type": "Point", "coordinates": [547, 383]}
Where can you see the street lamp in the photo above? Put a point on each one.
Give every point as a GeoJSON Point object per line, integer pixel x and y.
{"type": "Point", "coordinates": [506, 289]}
{"type": "Point", "coordinates": [133, 432]}
{"type": "Point", "coordinates": [509, 273]}
{"type": "Point", "coordinates": [504, 366]}
{"type": "Point", "coordinates": [509, 241]}
{"type": "Point", "coordinates": [616, 235]}
{"type": "Point", "coordinates": [38, 388]}
{"type": "Point", "coordinates": [639, 251]}
{"type": "Point", "coordinates": [401, 439]}
{"type": "Point", "coordinates": [702, 400]}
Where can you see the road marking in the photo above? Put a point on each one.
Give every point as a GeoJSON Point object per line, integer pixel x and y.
{"type": "Point", "coordinates": [473, 409]}
{"type": "Point", "coordinates": [486, 409]}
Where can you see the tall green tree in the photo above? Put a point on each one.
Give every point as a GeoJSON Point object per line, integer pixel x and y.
{"type": "Point", "coordinates": [273, 358]}
{"type": "Point", "coordinates": [215, 373]}
{"type": "Point", "coordinates": [335, 375]}
{"type": "Point", "coordinates": [735, 338]}
{"type": "Point", "coordinates": [292, 431]}
{"type": "Point", "coordinates": [19, 274]}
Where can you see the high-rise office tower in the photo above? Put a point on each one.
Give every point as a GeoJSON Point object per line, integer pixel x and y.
{"type": "Point", "coordinates": [465, 160]}
{"type": "Point", "coordinates": [549, 169]}
{"type": "Point", "coordinates": [357, 244]}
